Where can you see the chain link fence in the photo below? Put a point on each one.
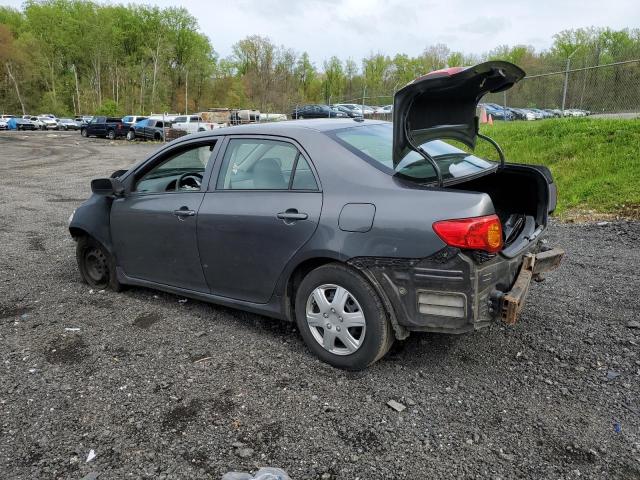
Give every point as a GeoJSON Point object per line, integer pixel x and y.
{"type": "Point", "coordinates": [603, 89]}
{"type": "Point", "coordinates": [612, 88]}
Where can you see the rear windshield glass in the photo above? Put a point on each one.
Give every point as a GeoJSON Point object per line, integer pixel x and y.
{"type": "Point", "coordinates": [373, 143]}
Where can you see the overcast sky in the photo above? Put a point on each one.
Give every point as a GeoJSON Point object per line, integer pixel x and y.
{"type": "Point", "coordinates": [356, 28]}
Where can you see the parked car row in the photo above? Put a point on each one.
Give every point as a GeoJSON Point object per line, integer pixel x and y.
{"type": "Point", "coordinates": [40, 122]}
{"type": "Point", "coordinates": [499, 112]}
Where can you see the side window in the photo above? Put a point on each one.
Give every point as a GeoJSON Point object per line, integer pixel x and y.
{"type": "Point", "coordinates": [303, 178]}
{"type": "Point", "coordinates": [253, 164]}
{"type": "Point", "coordinates": [185, 165]}
{"type": "Point", "coordinates": [180, 120]}
{"type": "Point", "coordinates": [196, 119]}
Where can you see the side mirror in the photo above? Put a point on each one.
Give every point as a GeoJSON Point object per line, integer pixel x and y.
{"type": "Point", "coordinates": [107, 186]}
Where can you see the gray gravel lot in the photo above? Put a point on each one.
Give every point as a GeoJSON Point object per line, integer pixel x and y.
{"type": "Point", "coordinates": [161, 388]}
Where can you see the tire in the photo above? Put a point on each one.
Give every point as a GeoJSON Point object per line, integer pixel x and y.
{"type": "Point", "coordinates": [157, 137]}
{"type": "Point", "coordinates": [83, 132]}
{"type": "Point", "coordinates": [96, 265]}
{"type": "Point", "coordinates": [364, 344]}
{"type": "Point", "coordinates": [111, 134]}
{"type": "Point", "coordinates": [131, 135]}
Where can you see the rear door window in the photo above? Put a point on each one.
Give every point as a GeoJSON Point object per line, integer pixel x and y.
{"type": "Point", "coordinates": [259, 164]}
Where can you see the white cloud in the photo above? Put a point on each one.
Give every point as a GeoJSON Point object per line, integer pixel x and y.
{"type": "Point", "coordinates": [356, 28]}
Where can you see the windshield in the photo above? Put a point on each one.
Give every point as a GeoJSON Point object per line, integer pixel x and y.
{"type": "Point", "coordinates": [373, 143]}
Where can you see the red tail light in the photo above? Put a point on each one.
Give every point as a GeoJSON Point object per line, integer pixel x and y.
{"type": "Point", "coordinates": [477, 233]}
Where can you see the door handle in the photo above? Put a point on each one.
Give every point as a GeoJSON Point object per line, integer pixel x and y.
{"type": "Point", "coordinates": [184, 212]}
{"type": "Point", "coordinates": [292, 215]}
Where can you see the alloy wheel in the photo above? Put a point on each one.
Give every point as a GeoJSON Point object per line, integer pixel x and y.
{"type": "Point", "coordinates": [336, 319]}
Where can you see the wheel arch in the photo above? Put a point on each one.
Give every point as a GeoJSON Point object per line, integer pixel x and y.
{"type": "Point", "coordinates": [305, 266]}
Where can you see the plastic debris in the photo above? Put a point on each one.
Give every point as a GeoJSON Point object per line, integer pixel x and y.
{"type": "Point", "coordinates": [611, 375]}
{"type": "Point", "coordinates": [267, 473]}
{"type": "Point", "coordinates": [617, 427]}
{"type": "Point", "coordinates": [91, 456]}
{"type": "Point", "coordinates": [71, 329]}
{"type": "Point", "coordinates": [90, 476]}
{"type": "Point", "coordinates": [397, 406]}
{"type": "Point", "coordinates": [182, 300]}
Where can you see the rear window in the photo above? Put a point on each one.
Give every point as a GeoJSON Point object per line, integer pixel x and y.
{"type": "Point", "coordinates": [373, 143]}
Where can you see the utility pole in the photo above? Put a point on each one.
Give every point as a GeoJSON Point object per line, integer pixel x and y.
{"type": "Point", "coordinates": [566, 79]}
{"type": "Point", "coordinates": [186, 93]}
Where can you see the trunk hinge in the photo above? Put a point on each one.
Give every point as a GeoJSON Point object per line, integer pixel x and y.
{"type": "Point", "coordinates": [495, 144]}
{"type": "Point", "coordinates": [422, 152]}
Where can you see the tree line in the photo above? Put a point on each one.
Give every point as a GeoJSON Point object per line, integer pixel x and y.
{"type": "Point", "coordinates": [79, 57]}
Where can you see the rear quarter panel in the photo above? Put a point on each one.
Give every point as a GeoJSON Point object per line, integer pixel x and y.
{"type": "Point", "coordinates": [404, 213]}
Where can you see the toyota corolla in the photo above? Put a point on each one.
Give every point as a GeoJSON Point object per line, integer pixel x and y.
{"type": "Point", "coordinates": [360, 231]}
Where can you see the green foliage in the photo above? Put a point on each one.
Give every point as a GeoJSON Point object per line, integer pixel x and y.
{"type": "Point", "coordinates": [109, 108]}
{"type": "Point", "coordinates": [595, 162]}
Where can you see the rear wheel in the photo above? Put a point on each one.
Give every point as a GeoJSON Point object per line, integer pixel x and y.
{"type": "Point", "coordinates": [111, 134]}
{"type": "Point", "coordinates": [96, 265]}
{"type": "Point", "coordinates": [157, 137]}
{"type": "Point", "coordinates": [341, 318]}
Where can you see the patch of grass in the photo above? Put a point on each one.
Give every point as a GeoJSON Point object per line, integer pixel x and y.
{"type": "Point", "coordinates": [595, 162]}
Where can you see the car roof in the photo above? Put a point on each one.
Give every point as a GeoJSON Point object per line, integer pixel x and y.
{"type": "Point", "coordinates": [291, 126]}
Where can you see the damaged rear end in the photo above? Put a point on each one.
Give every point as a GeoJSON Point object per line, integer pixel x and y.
{"type": "Point", "coordinates": [484, 270]}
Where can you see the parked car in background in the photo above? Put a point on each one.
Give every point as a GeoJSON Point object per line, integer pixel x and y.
{"type": "Point", "coordinates": [386, 109]}
{"type": "Point", "coordinates": [350, 113]}
{"type": "Point", "coordinates": [316, 111]}
{"type": "Point", "coordinates": [129, 120]}
{"type": "Point", "coordinates": [83, 120]}
{"type": "Point", "coordinates": [68, 124]}
{"type": "Point", "coordinates": [498, 113]}
{"type": "Point", "coordinates": [3, 124]}
{"type": "Point", "coordinates": [39, 125]}
{"type": "Point", "coordinates": [17, 123]}
{"type": "Point", "coordinates": [192, 124]}
{"type": "Point", "coordinates": [362, 109]}
{"type": "Point", "coordinates": [148, 129]}
{"type": "Point", "coordinates": [109, 127]}
{"type": "Point", "coordinates": [48, 123]}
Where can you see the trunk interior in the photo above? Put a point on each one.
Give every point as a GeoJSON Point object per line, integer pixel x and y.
{"type": "Point", "coordinates": [521, 198]}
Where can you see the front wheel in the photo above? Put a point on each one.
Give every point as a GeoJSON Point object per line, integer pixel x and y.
{"type": "Point", "coordinates": [83, 132]}
{"type": "Point", "coordinates": [341, 318]}
{"type": "Point", "coordinates": [96, 265]}
{"type": "Point", "coordinates": [131, 135]}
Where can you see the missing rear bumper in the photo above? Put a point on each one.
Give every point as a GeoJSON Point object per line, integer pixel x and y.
{"type": "Point", "coordinates": [533, 265]}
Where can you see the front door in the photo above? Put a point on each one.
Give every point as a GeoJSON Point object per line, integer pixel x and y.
{"type": "Point", "coordinates": [265, 207]}
{"type": "Point", "coordinates": [153, 226]}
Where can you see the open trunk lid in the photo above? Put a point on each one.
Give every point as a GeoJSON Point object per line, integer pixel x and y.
{"type": "Point", "coordinates": [442, 104]}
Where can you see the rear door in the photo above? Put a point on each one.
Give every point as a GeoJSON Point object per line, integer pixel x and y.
{"type": "Point", "coordinates": [263, 207]}
{"type": "Point", "coordinates": [154, 225]}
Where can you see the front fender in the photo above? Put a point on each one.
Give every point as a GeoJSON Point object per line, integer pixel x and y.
{"type": "Point", "coordinates": [93, 218]}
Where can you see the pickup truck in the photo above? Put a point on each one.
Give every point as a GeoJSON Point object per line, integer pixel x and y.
{"type": "Point", "coordinates": [109, 127]}
{"type": "Point", "coordinates": [192, 124]}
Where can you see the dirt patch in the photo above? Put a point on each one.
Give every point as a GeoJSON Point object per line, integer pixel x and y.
{"type": "Point", "coordinates": [8, 310]}
{"type": "Point", "coordinates": [66, 350]}
{"type": "Point", "coordinates": [178, 418]}
{"type": "Point", "coordinates": [36, 243]}
{"type": "Point", "coordinates": [146, 320]}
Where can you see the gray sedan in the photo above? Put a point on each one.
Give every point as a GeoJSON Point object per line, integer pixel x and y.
{"type": "Point", "coordinates": [359, 231]}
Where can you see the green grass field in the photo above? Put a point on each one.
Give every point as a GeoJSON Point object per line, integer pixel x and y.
{"type": "Point", "coordinates": [595, 162]}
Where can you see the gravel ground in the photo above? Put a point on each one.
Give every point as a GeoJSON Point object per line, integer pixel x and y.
{"type": "Point", "coordinates": [159, 387]}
